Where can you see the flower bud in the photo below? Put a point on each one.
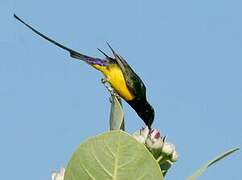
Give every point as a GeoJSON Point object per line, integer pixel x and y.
{"type": "Point", "coordinates": [168, 148]}
{"type": "Point", "coordinates": [174, 156]}
{"type": "Point", "coordinates": [58, 175]}
{"type": "Point", "coordinates": [154, 143]}
{"type": "Point", "coordinates": [163, 151]}
{"type": "Point", "coordinates": [141, 135]}
{"type": "Point", "coordinates": [154, 134]}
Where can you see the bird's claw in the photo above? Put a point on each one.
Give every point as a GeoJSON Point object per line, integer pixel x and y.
{"type": "Point", "coordinates": [104, 80]}
{"type": "Point", "coordinates": [110, 100]}
{"type": "Point", "coordinates": [110, 89]}
{"type": "Point", "coordinates": [107, 85]}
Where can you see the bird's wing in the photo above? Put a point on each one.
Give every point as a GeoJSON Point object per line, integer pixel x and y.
{"type": "Point", "coordinates": [133, 81]}
{"type": "Point", "coordinates": [73, 53]}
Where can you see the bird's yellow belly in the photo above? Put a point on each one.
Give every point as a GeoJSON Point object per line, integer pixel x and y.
{"type": "Point", "coordinates": [115, 77]}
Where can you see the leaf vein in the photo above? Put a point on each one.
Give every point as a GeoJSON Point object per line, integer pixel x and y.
{"type": "Point", "coordinates": [116, 160]}
{"type": "Point", "coordinates": [88, 173]}
{"type": "Point", "coordinates": [109, 149]}
{"type": "Point", "coordinates": [100, 164]}
{"type": "Point", "coordinates": [126, 163]}
{"type": "Point", "coordinates": [141, 177]}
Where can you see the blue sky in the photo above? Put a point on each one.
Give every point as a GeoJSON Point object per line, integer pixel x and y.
{"type": "Point", "coordinates": [189, 54]}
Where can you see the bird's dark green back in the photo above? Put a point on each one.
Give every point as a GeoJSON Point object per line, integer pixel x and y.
{"type": "Point", "coordinates": [133, 81]}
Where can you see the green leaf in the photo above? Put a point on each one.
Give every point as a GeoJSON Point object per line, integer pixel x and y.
{"type": "Point", "coordinates": [202, 169]}
{"type": "Point", "coordinates": [114, 155]}
{"type": "Point", "coordinates": [116, 114]}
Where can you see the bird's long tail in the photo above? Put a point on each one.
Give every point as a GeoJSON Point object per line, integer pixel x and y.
{"type": "Point", "coordinates": [73, 53]}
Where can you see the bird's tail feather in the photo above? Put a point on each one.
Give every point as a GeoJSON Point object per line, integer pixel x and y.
{"type": "Point", "coordinates": [73, 53]}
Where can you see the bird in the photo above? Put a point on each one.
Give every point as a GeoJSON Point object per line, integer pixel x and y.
{"type": "Point", "coordinates": [118, 73]}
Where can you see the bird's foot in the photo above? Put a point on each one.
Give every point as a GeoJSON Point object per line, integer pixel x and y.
{"type": "Point", "coordinates": [114, 94]}
{"type": "Point", "coordinates": [104, 80]}
{"type": "Point", "coordinates": [107, 85]}
{"type": "Point", "coordinates": [110, 89]}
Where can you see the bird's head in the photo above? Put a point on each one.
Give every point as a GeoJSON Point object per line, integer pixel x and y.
{"type": "Point", "coordinates": [147, 114]}
{"type": "Point", "coordinates": [144, 110]}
